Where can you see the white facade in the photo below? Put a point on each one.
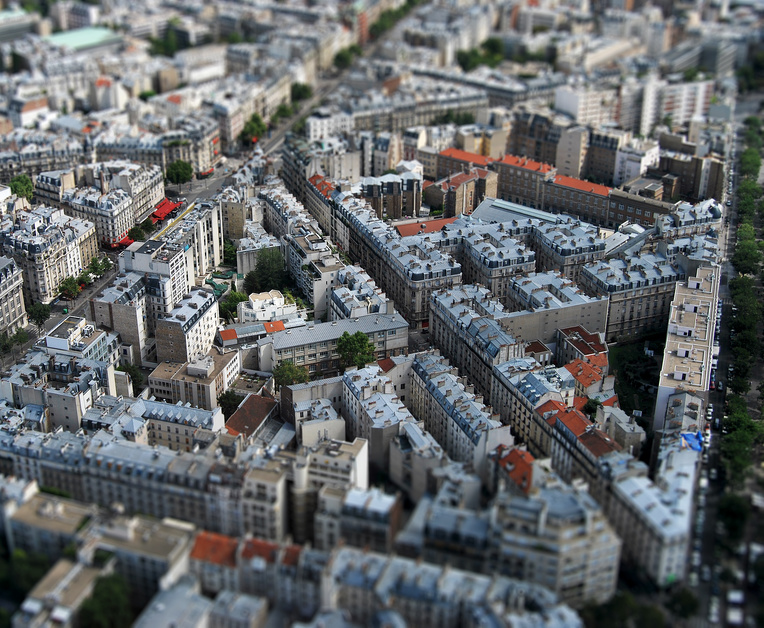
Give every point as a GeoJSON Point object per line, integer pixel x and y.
{"type": "Point", "coordinates": [265, 306]}
{"type": "Point", "coordinates": [633, 160]}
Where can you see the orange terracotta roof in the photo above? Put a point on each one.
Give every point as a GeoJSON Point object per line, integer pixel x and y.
{"type": "Point", "coordinates": [525, 163]}
{"type": "Point", "coordinates": [518, 464]}
{"type": "Point", "coordinates": [228, 334]}
{"type": "Point", "coordinates": [386, 364]}
{"type": "Point", "coordinates": [535, 346]}
{"type": "Point", "coordinates": [579, 403]}
{"type": "Point", "coordinates": [455, 180]}
{"type": "Point", "coordinates": [274, 326]}
{"type": "Point", "coordinates": [175, 99]}
{"type": "Point", "coordinates": [612, 402]}
{"type": "Point", "coordinates": [250, 415]}
{"type": "Point", "coordinates": [219, 549]}
{"type": "Point", "coordinates": [261, 549]}
{"type": "Point", "coordinates": [574, 420]}
{"type": "Point", "coordinates": [583, 186]}
{"type": "Point", "coordinates": [598, 443]}
{"type": "Point", "coordinates": [428, 226]}
{"type": "Point", "coordinates": [103, 82]}
{"type": "Point", "coordinates": [291, 555]}
{"type": "Point", "coordinates": [599, 360]}
{"type": "Point", "coordinates": [463, 155]}
{"type": "Point", "coordinates": [585, 374]}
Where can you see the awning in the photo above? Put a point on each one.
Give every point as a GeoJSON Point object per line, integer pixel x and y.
{"type": "Point", "coordinates": [163, 209]}
{"type": "Point", "coordinates": [126, 241]}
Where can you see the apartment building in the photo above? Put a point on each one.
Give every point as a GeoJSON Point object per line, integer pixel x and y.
{"type": "Point", "coordinates": [365, 583]}
{"type": "Point", "coordinates": [369, 519]}
{"type": "Point", "coordinates": [690, 346]}
{"type": "Point", "coordinates": [199, 382]}
{"type": "Point", "coordinates": [313, 266]}
{"type": "Point", "coordinates": [633, 160]}
{"type": "Point", "coordinates": [75, 337]}
{"type": "Point", "coordinates": [111, 212]}
{"type": "Point", "coordinates": [266, 306]}
{"type": "Point", "coordinates": [189, 328]}
{"type": "Point", "coordinates": [576, 197]}
{"type": "Point", "coordinates": [453, 161]}
{"type": "Point", "coordinates": [373, 411]}
{"type": "Point", "coordinates": [13, 315]}
{"type": "Point", "coordinates": [537, 134]}
{"type": "Point", "coordinates": [522, 180]}
{"type": "Point", "coordinates": [165, 266]}
{"type": "Point", "coordinates": [357, 295]}
{"type": "Point", "coordinates": [393, 195]}
{"type": "Point", "coordinates": [49, 246]}
{"type": "Point", "coordinates": [639, 290]}
{"type": "Point", "coordinates": [415, 456]}
{"type": "Point", "coordinates": [314, 346]}
{"type": "Point", "coordinates": [464, 327]}
{"type": "Point", "coordinates": [457, 418]}
{"type": "Point", "coordinates": [604, 144]}
{"type": "Point", "coordinates": [586, 105]}
{"type": "Point", "coordinates": [461, 193]}
{"type": "Point", "coordinates": [200, 235]}
{"type": "Point", "coordinates": [541, 303]}
{"type": "Point", "coordinates": [566, 247]}
{"type": "Point", "coordinates": [65, 386]}
{"type": "Point", "coordinates": [638, 209]}
{"type": "Point", "coordinates": [518, 396]}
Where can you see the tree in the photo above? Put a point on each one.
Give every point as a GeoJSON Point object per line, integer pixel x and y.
{"type": "Point", "coordinates": [286, 374]}
{"type": "Point", "coordinates": [254, 129]}
{"type": "Point", "coordinates": [26, 571]}
{"type": "Point", "coordinates": [683, 603]}
{"type": "Point", "coordinates": [228, 306]}
{"type": "Point", "coordinates": [343, 59]}
{"type": "Point", "coordinates": [108, 606]}
{"type": "Point", "coordinates": [301, 91]}
{"type": "Point", "coordinates": [21, 185]}
{"type": "Point", "coordinates": [750, 162]}
{"type": "Point", "coordinates": [39, 313]}
{"type": "Point", "coordinates": [136, 233]}
{"type": "Point", "coordinates": [590, 407]}
{"type": "Point", "coordinates": [733, 513]}
{"type": "Point", "coordinates": [145, 95]}
{"type": "Point", "coordinates": [229, 253]}
{"type": "Point", "coordinates": [147, 226]}
{"type": "Point", "coordinates": [21, 337]}
{"type": "Point", "coordinates": [179, 172]}
{"type": "Point", "coordinates": [269, 272]}
{"type": "Point", "coordinates": [355, 350]}
{"type": "Point", "coordinates": [69, 288]}
{"type": "Point", "coordinates": [135, 375]}
{"type": "Point", "coordinates": [228, 402]}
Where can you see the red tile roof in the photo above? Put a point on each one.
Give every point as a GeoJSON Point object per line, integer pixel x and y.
{"type": "Point", "coordinates": [261, 549]}
{"type": "Point", "coordinates": [585, 374]}
{"type": "Point", "coordinates": [429, 226]}
{"type": "Point", "coordinates": [525, 163]}
{"type": "Point", "coordinates": [598, 443]}
{"type": "Point", "coordinates": [103, 82]}
{"type": "Point", "coordinates": [518, 463]}
{"type": "Point", "coordinates": [535, 346]}
{"type": "Point", "coordinates": [250, 415]}
{"type": "Point", "coordinates": [228, 334]}
{"type": "Point", "coordinates": [322, 184]}
{"type": "Point", "coordinates": [175, 99]}
{"type": "Point", "coordinates": [386, 364]}
{"type": "Point", "coordinates": [219, 549]}
{"type": "Point", "coordinates": [573, 419]}
{"type": "Point", "coordinates": [583, 186]}
{"type": "Point", "coordinates": [291, 555]}
{"type": "Point", "coordinates": [274, 326]}
{"type": "Point", "coordinates": [612, 402]}
{"type": "Point", "coordinates": [463, 155]}
{"type": "Point", "coordinates": [456, 180]}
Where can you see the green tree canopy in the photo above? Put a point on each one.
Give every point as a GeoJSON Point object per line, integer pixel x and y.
{"type": "Point", "coordinates": [229, 305]}
{"type": "Point", "coordinates": [108, 606]}
{"type": "Point", "coordinates": [228, 402]}
{"type": "Point", "coordinates": [286, 374]}
{"type": "Point", "coordinates": [39, 313]}
{"type": "Point", "coordinates": [179, 172]}
{"type": "Point", "coordinates": [343, 59]}
{"type": "Point", "coordinates": [229, 253]}
{"type": "Point", "coordinates": [269, 273]}
{"type": "Point", "coordinates": [21, 185]}
{"type": "Point", "coordinates": [683, 603]}
{"type": "Point", "coordinates": [254, 128]}
{"type": "Point", "coordinates": [137, 234]}
{"type": "Point", "coordinates": [356, 350]}
{"type": "Point", "coordinates": [69, 288]}
{"type": "Point", "coordinates": [750, 162]}
{"type": "Point", "coordinates": [733, 513]}
{"type": "Point", "coordinates": [301, 91]}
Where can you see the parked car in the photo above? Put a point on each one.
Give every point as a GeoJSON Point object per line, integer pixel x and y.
{"type": "Point", "coordinates": [720, 386]}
